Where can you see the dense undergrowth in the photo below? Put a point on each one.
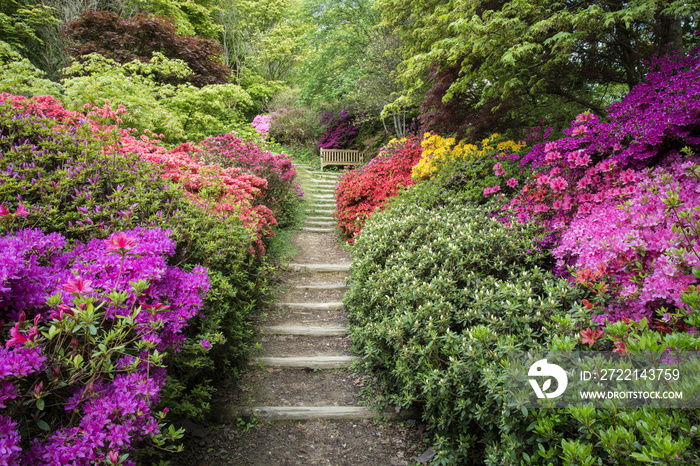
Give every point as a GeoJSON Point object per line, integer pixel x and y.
{"type": "Point", "coordinates": [588, 242]}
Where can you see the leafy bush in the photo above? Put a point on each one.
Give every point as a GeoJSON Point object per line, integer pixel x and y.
{"type": "Point", "coordinates": [182, 112]}
{"type": "Point", "coordinates": [19, 76]}
{"type": "Point", "coordinates": [85, 379]}
{"type": "Point", "coordinates": [467, 171]}
{"type": "Point", "coordinates": [361, 191]}
{"type": "Point", "coordinates": [439, 298]}
{"type": "Point", "coordinates": [293, 124]}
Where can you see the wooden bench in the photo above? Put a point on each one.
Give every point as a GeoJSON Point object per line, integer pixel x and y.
{"type": "Point", "coordinates": [341, 157]}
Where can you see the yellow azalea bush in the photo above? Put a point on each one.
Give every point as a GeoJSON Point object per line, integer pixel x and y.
{"type": "Point", "coordinates": [438, 151]}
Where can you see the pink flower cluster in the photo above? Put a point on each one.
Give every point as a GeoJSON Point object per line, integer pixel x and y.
{"type": "Point", "coordinates": [224, 191]}
{"type": "Point", "coordinates": [491, 190]}
{"type": "Point", "coordinates": [262, 123]}
{"type": "Point", "coordinates": [282, 189]}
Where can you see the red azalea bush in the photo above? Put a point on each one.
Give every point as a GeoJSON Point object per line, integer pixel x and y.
{"type": "Point", "coordinates": [361, 191]}
{"type": "Point", "coordinates": [224, 191]}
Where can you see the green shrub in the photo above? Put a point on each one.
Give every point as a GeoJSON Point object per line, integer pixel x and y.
{"type": "Point", "coordinates": [180, 113]}
{"type": "Point", "coordinates": [439, 299]}
{"type": "Point", "coordinates": [20, 77]}
{"type": "Point", "coordinates": [442, 295]}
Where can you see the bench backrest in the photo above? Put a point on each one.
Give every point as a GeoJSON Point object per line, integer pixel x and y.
{"type": "Point", "coordinates": [342, 157]}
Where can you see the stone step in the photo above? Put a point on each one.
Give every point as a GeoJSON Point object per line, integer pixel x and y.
{"type": "Point", "coordinates": [324, 196]}
{"type": "Point", "coordinates": [322, 204]}
{"type": "Point", "coordinates": [318, 230]}
{"type": "Point", "coordinates": [305, 318]}
{"type": "Point", "coordinates": [301, 413]}
{"type": "Point", "coordinates": [335, 306]}
{"type": "Point", "coordinates": [320, 268]}
{"type": "Point", "coordinates": [306, 362]}
{"type": "Point", "coordinates": [302, 346]}
{"type": "Point", "coordinates": [324, 183]}
{"type": "Point", "coordinates": [311, 194]}
{"type": "Point", "coordinates": [334, 286]}
{"type": "Point", "coordinates": [305, 331]}
{"type": "Point", "coordinates": [305, 413]}
{"type": "Point", "coordinates": [321, 211]}
{"type": "Point", "coordinates": [321, 223]}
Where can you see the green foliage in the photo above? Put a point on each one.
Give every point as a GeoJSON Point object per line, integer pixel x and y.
{"type": "Point", "coordinates": [260, 37]}
{"type": "Point", "coordinates": [182, 112]}
{"type": "Point", "coordinates": [351, 59]}
{"type": "Point", "coordinates": [261, 92]}
{"type": "Point", "coordinates": [535, 57]}
{"type": "Point", "coordinates": [209, 110]}
{"type": "Point", "coordinates": [19, 21]}
{"type": "Point", "coordinates": [191, 18]}
{"type": "Point", "coordinates": [20, 77]}
{"type": "Point", "coordinates": [439, 299]}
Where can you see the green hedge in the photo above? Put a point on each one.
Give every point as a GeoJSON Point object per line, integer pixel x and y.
{"type": "Point", "coordinates": [441, 296]}
{"type": "Point", "coordinates": [439, 299]}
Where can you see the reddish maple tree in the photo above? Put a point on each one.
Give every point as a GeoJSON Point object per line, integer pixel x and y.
{"type": "Point", "coordinates": [125, 40]}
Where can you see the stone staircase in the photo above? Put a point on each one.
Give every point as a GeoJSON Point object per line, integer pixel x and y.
{"type": "Point", "coordinates": [304, 343]}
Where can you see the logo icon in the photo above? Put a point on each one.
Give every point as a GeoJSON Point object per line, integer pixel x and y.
{"type": "Point", "coordinates": [542, 368]}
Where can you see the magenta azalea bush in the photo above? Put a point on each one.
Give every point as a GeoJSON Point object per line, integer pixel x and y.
{"type": "Point", "coordinates": [340, 130]}
{"type": "Point", "coordinates": [601, 193]}
{"type": "Point", "coordinates": [81, 368]}
{"type": "Point", "coordinates": [632, 244]}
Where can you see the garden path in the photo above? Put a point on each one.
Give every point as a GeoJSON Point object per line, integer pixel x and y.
{"type": "Point", "coordinates": [299, 403]}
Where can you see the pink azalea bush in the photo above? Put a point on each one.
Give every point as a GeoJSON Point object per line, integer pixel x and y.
{"type": "Point", "coordinates": [261, 123]}
{"type": "Point", "coordinates": [81, 372]}
{"type": "Point", "coordinates": [601, 206]}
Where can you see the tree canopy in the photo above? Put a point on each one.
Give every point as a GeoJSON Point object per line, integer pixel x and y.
{"type": "Point", "coordinates": [543, 54]}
